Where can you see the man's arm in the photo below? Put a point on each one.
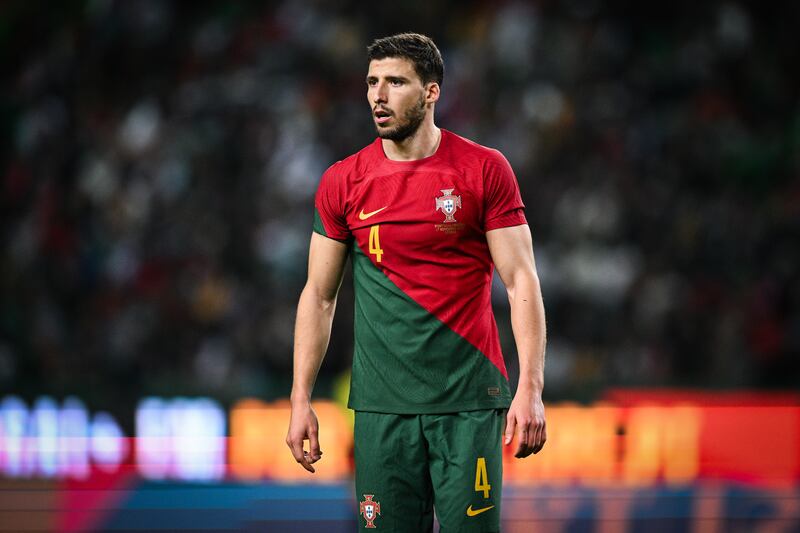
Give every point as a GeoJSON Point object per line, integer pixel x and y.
{"type": "Point", "coordinates": [512, 254]}
{"type": "Point", "coordinates": [312, 331]}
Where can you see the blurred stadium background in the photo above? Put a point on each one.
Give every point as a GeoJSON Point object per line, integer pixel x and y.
{"type": "Point", "coordinates": [158, 163]}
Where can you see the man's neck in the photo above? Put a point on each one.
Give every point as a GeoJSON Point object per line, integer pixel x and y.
{"type": "Point", "coordinates": [422, 144]}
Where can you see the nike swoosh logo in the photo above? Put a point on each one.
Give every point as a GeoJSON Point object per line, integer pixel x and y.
{"type": "Point", "coordinates": [364, 216]}
{"type": "Point", "coordinates": [473, 512]}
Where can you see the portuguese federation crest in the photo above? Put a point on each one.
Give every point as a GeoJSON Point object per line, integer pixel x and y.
{"type": "Point", "coordinates": [370, 510]}
{"type": "Point", "coordinates": [448, 203]}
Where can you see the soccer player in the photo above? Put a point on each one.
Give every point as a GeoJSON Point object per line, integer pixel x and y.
{"type": "Point", "coordinates": [425, 216]}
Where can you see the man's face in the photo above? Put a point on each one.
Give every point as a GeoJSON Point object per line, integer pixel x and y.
{"type": "Point", "coordinates": [396, 96]}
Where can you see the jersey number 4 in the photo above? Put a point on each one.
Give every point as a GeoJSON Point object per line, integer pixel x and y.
{"type": "Point", "coordinates": [481, 478]}
{"type": "Point", "coordinates": [375, 242]}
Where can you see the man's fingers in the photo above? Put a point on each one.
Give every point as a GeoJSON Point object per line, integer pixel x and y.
{"type": "Point", "coordinates": [511, 424]}
{"type": "Point", "coordinates": [314, 452]}
{"type": "Point", "coordinates": [542, 438]}
{"type": "Point", "coordinates": [530, 432]}
{"type": "Point", "coordinates": [523, 435]}
{"type": "Point", "coordinates": [524, 446]}
{"type": "Point", "coordinates": [539, 441]}
{"type": "Point", "coordinates": [300, 455]}
{"type": "Point", "coordinates": [304, 460]}
{"type": "Point", "coordinates": [296, 447]}
{"type": "Point", "coordinates": [531, 440]}
{"type": "Point", "coordinates": [305, 463]}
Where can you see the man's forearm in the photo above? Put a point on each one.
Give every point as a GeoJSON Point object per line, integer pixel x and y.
{"type": "Point", "coordinates": [528, 325]}
{"type": "Point", "coordinates": [311, 336]}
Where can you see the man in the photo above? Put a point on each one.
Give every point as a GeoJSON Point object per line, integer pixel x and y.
{"type": "Point", "coordinates": [424, 214]}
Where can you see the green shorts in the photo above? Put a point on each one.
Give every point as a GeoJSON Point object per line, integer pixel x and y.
{"type": "Point", "coordinates": [407, 465]}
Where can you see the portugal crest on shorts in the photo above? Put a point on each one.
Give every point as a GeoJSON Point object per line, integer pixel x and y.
{"type": "Point", "coordinates": [370, 510]}
{"type": "Point", "coordinates": [448, 203]}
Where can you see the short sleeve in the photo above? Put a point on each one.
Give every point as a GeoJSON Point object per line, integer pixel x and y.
{"type": "Point", "coordinates": [329, 212]}
{"type": "Point", "coordinates": [502, 201]}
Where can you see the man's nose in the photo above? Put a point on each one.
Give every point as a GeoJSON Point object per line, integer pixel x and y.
{"type": "Point", "coordinates": [379, 96]}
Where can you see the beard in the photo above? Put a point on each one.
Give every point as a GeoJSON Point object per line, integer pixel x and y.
{"type": "Point", "coordinates": [412, 119]}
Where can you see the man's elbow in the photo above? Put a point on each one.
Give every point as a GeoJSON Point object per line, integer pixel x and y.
{"type": "Point", "coordinates": [320, 297]}
{"type": "Point", "coordinates": [523, 282]}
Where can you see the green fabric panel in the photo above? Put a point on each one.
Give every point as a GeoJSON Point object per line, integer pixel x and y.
{"type": "Point", "coordinates": [392, 464]}
{"type": "Point", "coordinates": [403, 460]}
{"type": "Point", "coordinates": [319, 227]}
{"type": "Point", "coordinates": [408, 361]}
{"type": "Point", "coordinates": [455, 442]}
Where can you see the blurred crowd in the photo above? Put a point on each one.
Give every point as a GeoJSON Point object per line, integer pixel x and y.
{"type": "Point", "coordinates": [159, 161]}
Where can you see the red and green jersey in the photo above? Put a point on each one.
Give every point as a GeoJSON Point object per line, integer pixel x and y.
{"type": "Point", "coordinates": [425, 336]}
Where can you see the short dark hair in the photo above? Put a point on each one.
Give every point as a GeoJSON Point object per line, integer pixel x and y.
{"type": "Point", "coordinates": [417, 48]}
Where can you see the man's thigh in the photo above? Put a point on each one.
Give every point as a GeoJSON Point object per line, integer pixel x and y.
{"type": "Point", "coordinates": [466, 468]}
{"type": "Point", "coordinates": [393, 486]}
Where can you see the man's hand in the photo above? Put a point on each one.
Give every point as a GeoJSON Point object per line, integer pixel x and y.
{"type": "Point", "coordinates": [526, 417]}
{"type": "Point", "coordinates": [303, 425]}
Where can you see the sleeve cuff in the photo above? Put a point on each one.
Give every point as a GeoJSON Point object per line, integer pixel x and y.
{"type": "Point", "coordinates": [512, 218]}
{"type": "Point", "coordinates": [340, 238]}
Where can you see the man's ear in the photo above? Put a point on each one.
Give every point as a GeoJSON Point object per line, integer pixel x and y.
{"type": "Point", "coordinates": [431, 92]}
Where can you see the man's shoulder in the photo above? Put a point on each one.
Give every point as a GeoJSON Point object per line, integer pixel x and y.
{"type": "Point", "coordinates": [465, 153]}
{"type": "Point", "coordinates": [354, 163]}
{"type": "Point", "coordinates": [461, 147]}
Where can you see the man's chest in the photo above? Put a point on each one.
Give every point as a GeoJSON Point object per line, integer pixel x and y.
{"type": "Point", "coordinates": [445, 202]}
{"type": "Point", "coordinates": [418, 214]}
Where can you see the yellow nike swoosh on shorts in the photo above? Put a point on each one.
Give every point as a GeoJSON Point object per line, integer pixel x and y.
{"type": "Point", "coordinates": [364, 216]}
{"type": "Point", "coordinates": [473, 512]}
